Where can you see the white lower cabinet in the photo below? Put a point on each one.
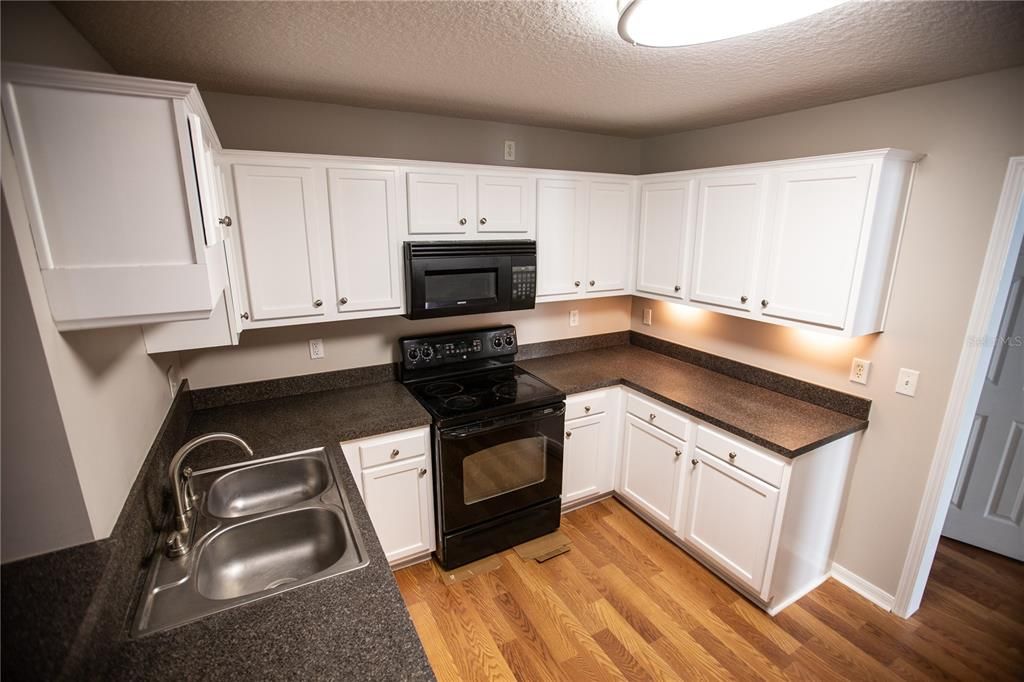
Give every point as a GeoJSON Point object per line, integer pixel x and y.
{"type": "Point", "coordinates": [588, 468]}
{"type": "Point", "coordinates": [651, 461]}
{"type": "Point", "coordinates": [393, 474]}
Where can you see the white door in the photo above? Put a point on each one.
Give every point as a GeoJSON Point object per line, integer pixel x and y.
{"type": "Point", "coordinates": [397, 497]}
{"type": "Point", "coordinates": [441, 203]}
{"type": "Point", "coordinates": [730, 517]}
{"type": "Point", "coordinates": [585, 458]}
{"type": "Point", "coordinates": [505, 203]}
{"type": "Point", "coordinates": [281, 229]}
{"type": "Point", "coordinates": [651, 462]}
{"type": "Point", "coordinates": [726, 238]}
{"type": "Point", "coordinates": [609, 236]}
{"type": "Point", "coordinates": [561, 233]}
{"type": "Point", "coordinates": [664, 212]}
{"type": "Point", "coordinates": [365, 238]}
{"type": "Point", "coordinates": [987, 508]}
{"type": "Point", "coordinates": [818, 218]}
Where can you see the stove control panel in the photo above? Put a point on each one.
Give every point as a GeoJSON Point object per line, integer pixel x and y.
{"type": "Point", "coordinates": [451, 349]}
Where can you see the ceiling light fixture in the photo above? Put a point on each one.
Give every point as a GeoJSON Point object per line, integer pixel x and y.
{"type": "Point", "coordinates": [675, 23]}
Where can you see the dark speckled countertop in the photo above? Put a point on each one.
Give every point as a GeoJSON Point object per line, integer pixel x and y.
{"type": "Point", "coordinates": [782, 424]}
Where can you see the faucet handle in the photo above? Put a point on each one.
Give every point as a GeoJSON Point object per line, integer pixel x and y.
{"type": "Point", "coordinates": [176, 545]}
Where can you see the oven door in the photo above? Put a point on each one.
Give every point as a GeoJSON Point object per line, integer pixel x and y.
{"type": "Point", "coordinates": [498, 466]}
{"type": "Point", "coordinates": [464, 285]}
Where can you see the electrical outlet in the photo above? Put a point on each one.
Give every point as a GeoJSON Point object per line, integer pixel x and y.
{"type": "Point", "coordinates": [647, 316]}
{"type": "Point", "coordinates": [906, 381]}
{"type": "Point", "coordinates": [510, 150]}
{"type": "Point", "coordinates": [173, 379]}
{"type": "Point", "coordinates": [316, 349]}
{"type": "Point", "coordinates": [574, 318]}
{"type": "Point", "coordinates": [859, 370]}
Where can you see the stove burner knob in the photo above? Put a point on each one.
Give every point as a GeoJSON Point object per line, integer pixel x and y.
{"type": "Point", "coordinates": [414, 353]}
{"type": "Point", "coordinates": [509, 341]}
{"type": "Point", "coordinates": [428, 352]}
{"type": "Point", "coordinates": [496, 342]}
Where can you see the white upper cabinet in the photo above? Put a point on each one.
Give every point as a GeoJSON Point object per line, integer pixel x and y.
{"type": "Point", "coordinates": [505, 204]}
{"type": "Point", "coordinates": [115, 210]}
{"type": "Point", "coordinates": [727, 233]}
{"type": "Point", "coordinates": [561, 234]}
{"type": "Point", "coordinates": [819, 218]}
{"type": "Point", "coordinates": [281, 230]}
{"type": "Point", "coordinates": [664, 220]}
{"type": "Point", "coordinates": [609, 236]}
{"type": "Point", "coordinates": [441, 203]}
{"type": "Point", "coordinates": [365, 236]}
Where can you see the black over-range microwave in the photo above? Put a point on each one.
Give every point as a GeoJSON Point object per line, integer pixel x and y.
{"type": "Point", "coordinates": [464, 278]}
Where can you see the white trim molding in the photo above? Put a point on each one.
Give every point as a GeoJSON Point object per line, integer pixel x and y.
{"type": "Point", "coordinates": [873, 593]}
{"type": "Point", "coordinates": [989, 299]}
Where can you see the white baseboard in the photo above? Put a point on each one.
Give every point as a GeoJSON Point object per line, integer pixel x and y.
{"type": "Point", "coordinates": [872, 593]}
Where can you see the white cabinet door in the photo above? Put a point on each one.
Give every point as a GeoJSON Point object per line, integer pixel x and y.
{"type": "Point", "coordinates": [814, 238]}
{"type": "Point", "coordinates": [561, 233]}
{"type": "Point", "coordinates": [505, 203]}
{"type": "Point", "coordinates": [651, 461]}
{"type": "Point", "coordinates": [587, 458]}
{"type": "Point", "coordinates": [730, 518]}
{"type": "Point", "coordinates": [664, 213]}
{"type": "Point", "coordinates": [441, 203]}
{"type": "Point", "coordinates": [365, 238]}
{"type": "Point", "coordinates": [281, 229]}
{"type": "Point", "coordinates": [726, 238]}
{"type": "Point", "coordinates": [609, 242]}
{"type": "Point", "coordinates": [399, 502]}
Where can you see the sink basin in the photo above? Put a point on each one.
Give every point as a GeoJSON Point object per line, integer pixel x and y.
{"type": "Point", "coordinates": [267, 486]}
{"type": "Point", "coordinates": [269, 552]}
{"type": "Point", "coordinates": [258, 528]}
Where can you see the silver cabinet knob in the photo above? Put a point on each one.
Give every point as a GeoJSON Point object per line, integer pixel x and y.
{"type": "Point", "coordinates": [568, 434]}
{"type": "Point", "coordinates": [394, 453]}
{"type": "Point", "coordinates": [462, 221]}
{"type": "Point", "coordinates": [653, 416]}
{"type": "Point", "coordinates": [764, 302]}
{"type": "Point", "coordinates": [483, 221]}
{"type": "Point", "coordinates": [693, 462]}
{"type": "Point", "coordinates": [423, 472]}
{"type": "Point", "coordinates": [678, 287]}
{"type": "Point", "coordinates": [732, 456]}
{"type": "Point", "coordinates": [743, 299]}
{"type": "Point", "coordinates": [317, 303]}
{"type": "Point", "coordinates": [343, 300]}
{"type": "Point", "coordinates": [245, 316]}
{"type": "Point", "coordinates": [678, 453]}
{"type": "Point", "coordinates": [225, 221]}
{"type": "Point", "coordinates": [586, 408]}
{"type": "Point", "coordinates": [592, 282]}
{"type": "Point", "coordinates": [576, 283]}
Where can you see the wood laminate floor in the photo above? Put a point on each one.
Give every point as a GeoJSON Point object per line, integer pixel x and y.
{"type": "Point", "coordinates": [625, 603]}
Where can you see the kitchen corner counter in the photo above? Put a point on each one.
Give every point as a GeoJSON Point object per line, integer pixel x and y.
{"type": "Point", "coordinates": [785, 425]}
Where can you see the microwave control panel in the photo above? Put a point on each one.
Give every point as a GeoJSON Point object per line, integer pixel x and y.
{"type": "Point", "coordinates": [524, 286]}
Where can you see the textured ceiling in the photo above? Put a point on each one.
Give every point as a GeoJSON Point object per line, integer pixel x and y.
{"type": "Point", "coordinates": [557, 63]}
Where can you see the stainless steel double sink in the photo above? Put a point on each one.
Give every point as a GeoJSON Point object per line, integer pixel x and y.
{"type": "Point", "coordinates": [259, 527]}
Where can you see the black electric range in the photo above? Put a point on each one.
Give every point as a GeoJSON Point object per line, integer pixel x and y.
{"type": "Point", "coordinates": [497, 441]}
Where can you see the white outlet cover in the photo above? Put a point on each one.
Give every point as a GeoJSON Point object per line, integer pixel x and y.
{"type": "Point", "coordinates": [173, 379]}
{"type": "Point", "coordinates": [648, 314]}
{"type": "Point", "coordinates": [574, 318]}
{"type": "Point", "coordinates": [510, 150]}
{"type": "Point", "coordinates": [906, 381]}
{"type": "Point", "coordinates": [859, 371]}
{"type": "Point", "coordinates": [316, 349]}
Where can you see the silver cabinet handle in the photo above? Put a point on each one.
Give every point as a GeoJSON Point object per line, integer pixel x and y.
{"type": "Point", "coordinates": [568, 434]}
{"type": "Point", "coordinates": [394, 453]}
{"type": "Point", "coordinates": [343, 300]}
{"type": "Point", "coordinates": [225, 221]}
{"type": "Point", "coordinates": [245, 316]}
{"type": "Point", "coordinates": [317, 303]}
{"type": "Point", "coordinates": [576, 283]}
{"type": "Point", "coordinates": [423, 472]}
{"type": "Point", "coordinates": [586, 408]}
{"type": "Point", "coordinates": [764, 302]}
{"type": "Point", "coordinates": [732, 456]}
{"type": "Point", "coordinates": [592, 282]}
{"type": "Point", "coordinates": [678, 453]}
{"type": "Point", "coordinates": [678, 288]}
{"type": "Point", "coordinates": [694, 462]}
{"type": "Point", "coordinates": [483, 221]}
{"type": "Point", "coordinates": [462, 221]}
{"type": "Point", "coordinates": [653, 416]}
{"type": "Point", "coordinates": [743, 299]}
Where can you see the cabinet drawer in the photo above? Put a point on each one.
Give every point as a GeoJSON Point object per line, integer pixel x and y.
{"type": "Point", "coordinates": [393, 447]}
{"type": "Point", "coordinates": [761, 465]}
{"type": "Point", "coordinates": [585, 404]}
{"type": "Point", "coordinates": [658, 415]}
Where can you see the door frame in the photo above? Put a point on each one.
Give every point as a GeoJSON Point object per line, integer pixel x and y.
{"type": "Point", "coordinates": [989, 300]}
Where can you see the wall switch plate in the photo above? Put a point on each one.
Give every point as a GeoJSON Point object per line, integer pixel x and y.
{"type": "Point", "coordinates": [510, 150]}
{"type": "Point", "coordinates": [173, 379]}
{"type": "Point", "coordinates": [859, 370]}
{"type": "Point", "coordinates": [574, 318]}
{"type": "Point", "coordinates": [316, 349]}
{"type": "Point", "coordinates": [647, 316]}
{"type": "Point", "coordinates": [906, 381]}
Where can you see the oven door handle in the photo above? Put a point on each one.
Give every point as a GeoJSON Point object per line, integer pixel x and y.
{"type": "Point", "coordinates": [467, 431]}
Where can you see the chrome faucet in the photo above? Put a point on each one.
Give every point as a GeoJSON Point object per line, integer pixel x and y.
{"type": "Point", "coordinates": [178, 542]}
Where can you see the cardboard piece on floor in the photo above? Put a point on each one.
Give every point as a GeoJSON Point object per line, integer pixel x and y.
{"type": "Point", "coordinates": [479, 567]}
{"type": "Point", "coordinates": [545, 547]}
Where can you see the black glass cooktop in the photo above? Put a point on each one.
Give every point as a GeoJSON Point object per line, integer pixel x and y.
{"type": "Point", "coordinates": [484, 393]}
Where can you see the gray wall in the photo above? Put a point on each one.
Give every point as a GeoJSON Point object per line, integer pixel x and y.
{"type": "Point", "coordinates": [41, 503]}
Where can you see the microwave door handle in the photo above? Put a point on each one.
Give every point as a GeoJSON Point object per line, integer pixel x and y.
{"type": "Point", "coordinates": [466, 432]}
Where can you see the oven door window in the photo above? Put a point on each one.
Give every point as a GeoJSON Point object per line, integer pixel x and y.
{"type": "Point", "coordinates": [503, 468]}
{"type": "Point", "coordinates": [455, 288]}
